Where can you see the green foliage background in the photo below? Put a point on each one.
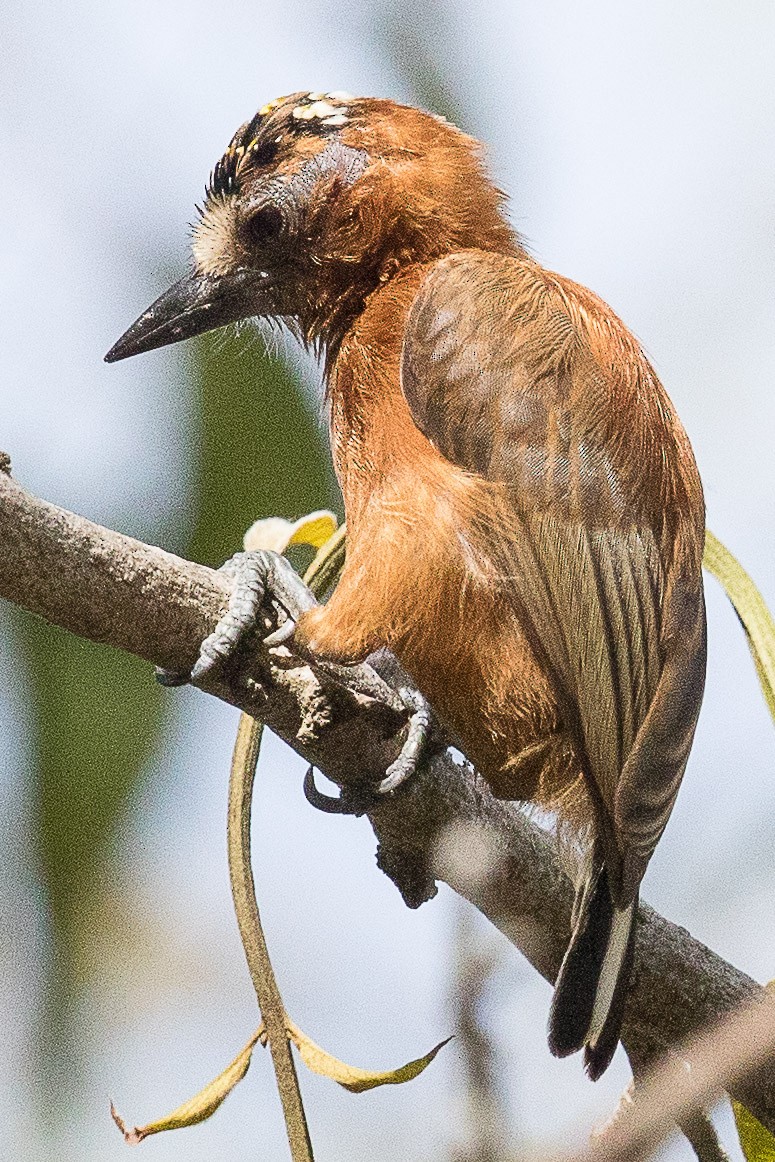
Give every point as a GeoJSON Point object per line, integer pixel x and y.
{"type": "Point", "coordinates": [97, 716]}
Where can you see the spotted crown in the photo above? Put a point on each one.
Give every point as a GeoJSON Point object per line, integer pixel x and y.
{"type": "Point", "coordinates": [312, 112]}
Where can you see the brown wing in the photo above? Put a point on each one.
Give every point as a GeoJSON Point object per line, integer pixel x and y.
{"type": "Point", "coordinates": [532, 382]}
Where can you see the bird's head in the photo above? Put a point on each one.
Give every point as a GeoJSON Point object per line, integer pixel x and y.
{"type": "Point", "coordinates": [318, 199]}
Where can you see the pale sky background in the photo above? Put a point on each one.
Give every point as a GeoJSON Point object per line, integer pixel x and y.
{"type": "Point", "coordinates": [637, 144]}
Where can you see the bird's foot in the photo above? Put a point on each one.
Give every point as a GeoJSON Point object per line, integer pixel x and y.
{"type": "Point", "coordinates": [254, 575]}
{"type": "Point", "coordinates": [358, 800]}
{"type": "Point", "coordinates": [261, 574]}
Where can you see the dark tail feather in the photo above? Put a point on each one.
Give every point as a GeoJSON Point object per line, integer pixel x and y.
{"type": "Point", "coordinates": [591, 989]}
{"type": "Point", "coordinates": [604, 1038]}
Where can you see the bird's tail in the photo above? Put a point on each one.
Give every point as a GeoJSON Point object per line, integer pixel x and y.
{"type": "Point", "coordinates": [591, 988]}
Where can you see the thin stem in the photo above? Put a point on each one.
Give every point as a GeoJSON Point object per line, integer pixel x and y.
{"type": "Point", "coordinates": [243, 769]}
{"type": "Point", "coordinates": [699, 1129]}
{"type": "Point", "coordinates": [321, 574]}
{"type": "Point", "coordinates": [325, 568]}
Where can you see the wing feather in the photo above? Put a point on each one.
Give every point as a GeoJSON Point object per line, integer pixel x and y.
{"type": "Point", "coordinates": [532, 383]}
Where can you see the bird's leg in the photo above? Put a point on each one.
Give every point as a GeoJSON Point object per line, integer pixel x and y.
{"type": "Point", "coordinates": [257, 575]}
{"type": "Point", "coordinates": [261, 574]}
{"type": "Point", "coordinates": [416, 745]}
{"type": "Point", "coordinates": [254, 575]}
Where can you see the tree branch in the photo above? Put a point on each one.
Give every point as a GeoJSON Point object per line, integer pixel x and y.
{"type": "Point", "coordinates": [445, 824]}
{"type": "Point", "coordinates": [672, 1093]}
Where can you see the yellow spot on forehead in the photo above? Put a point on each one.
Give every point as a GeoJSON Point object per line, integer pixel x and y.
{"type": "Point", "coordinates": [270, 106]}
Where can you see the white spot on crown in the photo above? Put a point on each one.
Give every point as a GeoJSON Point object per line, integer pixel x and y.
{"type": "Point", "coordinates": [325, 107]}
{"type": "Point", "coordinates": [318, 110]}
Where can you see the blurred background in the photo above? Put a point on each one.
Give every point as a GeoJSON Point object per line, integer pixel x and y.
{"type": "Point", "coordinates": [635, 142]}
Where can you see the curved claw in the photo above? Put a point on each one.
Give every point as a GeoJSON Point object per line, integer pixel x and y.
{"type": "Point", "coordinates": [407, 762]}
{"type": "Point", "coordinates": [397, 773]}
{"type": "Point", "coordinates": [281, 635]}
{"type": "Point", "coordinates": [330, 804]}
{"type": "Point", "coordinates": [252, 574]}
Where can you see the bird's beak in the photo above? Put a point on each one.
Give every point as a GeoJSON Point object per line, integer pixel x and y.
{"type": "Point", "coordinates": [197, 303]}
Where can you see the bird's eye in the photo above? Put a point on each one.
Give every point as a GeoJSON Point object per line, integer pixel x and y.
{"type": "Point", "coordinates": [264, 226]}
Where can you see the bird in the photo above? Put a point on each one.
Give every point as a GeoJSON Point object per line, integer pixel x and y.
{"type": "Point", "coordinates": [525, 516]}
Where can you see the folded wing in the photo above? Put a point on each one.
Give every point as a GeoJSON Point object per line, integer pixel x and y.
{"type": "Point", "coordinates": [531, 382]}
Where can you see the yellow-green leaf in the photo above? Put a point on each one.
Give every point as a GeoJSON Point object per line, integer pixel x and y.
{"type": "Point", "coordinates": [750, 607]}
{"type": "Point", "coordinates": [349, 1076]}
{"type": "Point", "coordinates": [756, 1141]}
{"type": "Point", "coordinates": [200, 1107]}
{"type": "Point", "coordinates": [277, 534]}
{"type": "Point", "coordinates": [206, 1102]}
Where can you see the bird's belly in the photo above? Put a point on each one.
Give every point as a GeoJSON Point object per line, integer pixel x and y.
{"type": "Point", "coordinates": [486, 685]}
{"type": "Point", "coordinates": [436, 575]}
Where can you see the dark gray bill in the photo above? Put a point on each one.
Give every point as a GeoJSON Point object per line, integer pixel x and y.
{"type": "Point", "coordinates": [195, 304]}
